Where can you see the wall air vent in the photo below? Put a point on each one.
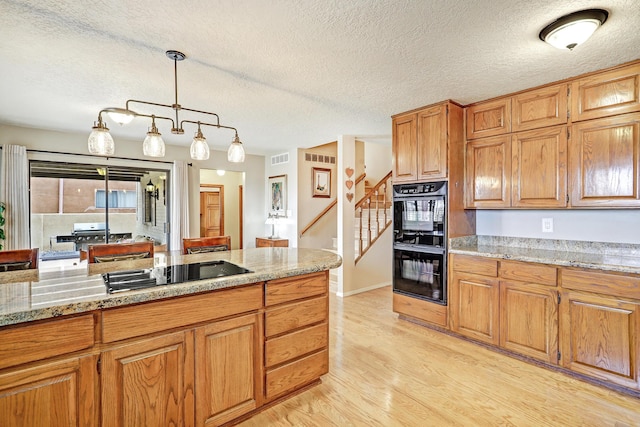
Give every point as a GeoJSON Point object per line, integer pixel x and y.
{"type": "Point", "coordinates": [321, 158]}
{"type": "Point", "coordinates": [279, 159]}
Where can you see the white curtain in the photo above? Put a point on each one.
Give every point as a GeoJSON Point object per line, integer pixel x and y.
{"type": "Point", "coordinates": [14, 192]}
{"type": "Point", "coordinates": [179, 227]}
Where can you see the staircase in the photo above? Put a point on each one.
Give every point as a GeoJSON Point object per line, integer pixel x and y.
{"type": "Point", "coordinates": [373, 215]}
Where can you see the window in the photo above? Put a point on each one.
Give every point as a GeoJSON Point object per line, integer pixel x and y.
{"type": "Point", "coordinates": [117, 199]}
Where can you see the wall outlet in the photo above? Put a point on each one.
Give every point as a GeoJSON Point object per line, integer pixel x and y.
{"type": "Point", "coordinates": [547, 225]}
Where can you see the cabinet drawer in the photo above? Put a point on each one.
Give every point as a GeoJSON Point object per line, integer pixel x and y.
{"type": "Point", "coordinates": [601, 283]}
{"type": "Point", "coordinates": [30, 342]}
{"type": "Point", "coordinates": [476, 265]}
{"type": "Point", "coordinates": [528, 272]}
{"type": "Point", "coordinates": [134, 321]}
{"type": "Point", "coordinates": [296, 315]}
{"type": "Point", "coordinates": [489, 118]}
{"type": "Point", "coordinates": [606, 94]}
{"type": "Point", "coordinates": [290, 346]}
{"type": "Point", "coordinates": [296, 374]}
{"type": "Point", "coordinates": [285, 290]}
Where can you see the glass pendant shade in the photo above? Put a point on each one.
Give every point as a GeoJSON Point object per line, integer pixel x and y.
{"type": "Point", "coordinates": [199, 147]}
{"type": "Point", "coordinates": [235, 154]}
{"type": "Point", "coordinates": [153, 144]}
{"type": "Point", "coordinates": [100, 141]}
{"type": "Point", "coordinates": [121, 116]}
{"type": "Point", "coordinates": [573, 29]}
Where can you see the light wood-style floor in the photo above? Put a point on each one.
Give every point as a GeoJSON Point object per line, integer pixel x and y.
{"type": "Point", "coordinates": [390, 372]}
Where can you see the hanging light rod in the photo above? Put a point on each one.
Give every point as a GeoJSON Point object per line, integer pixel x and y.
{"type": "Point", "coordinates": [101, 143]}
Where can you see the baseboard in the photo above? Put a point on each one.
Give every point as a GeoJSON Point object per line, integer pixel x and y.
{"type": "Point", "coordinates": [359, 291]}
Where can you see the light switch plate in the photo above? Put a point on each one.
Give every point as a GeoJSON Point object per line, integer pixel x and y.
{"type": "Point", "coordinates": [547, 225]}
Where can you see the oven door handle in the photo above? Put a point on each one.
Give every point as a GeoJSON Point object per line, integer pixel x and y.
{"type": "Point", "coordinates": [420, 248]}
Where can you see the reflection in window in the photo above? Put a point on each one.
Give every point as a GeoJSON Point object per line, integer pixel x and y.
{"type": "Point", "coordinates": [117, 199]}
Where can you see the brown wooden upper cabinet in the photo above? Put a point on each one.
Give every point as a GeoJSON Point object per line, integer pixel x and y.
{"type": "Point", "coordinates": [488, 173]}
{"type": "Point", "coordinates": [606, 94]}
{"type": "Point", "coordinates": [539, 168]}
{"type": "Point", "coordinates": [604, 162]}
{"type": "Point", "coordinates": [540, 108]}
{"type": "Point", "coordinates": [489, 118]}
{"type": "Point", "coordinates": [420, 142]}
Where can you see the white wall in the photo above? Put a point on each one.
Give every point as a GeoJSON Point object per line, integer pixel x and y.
{"type": "Point", "coordinates": [65, 142]}
{"type": "Point", "coordinates": [287, 227]}
{"type": "Point", "coordinates": [610, 225]}
{"type": "Point", "coordinates": [377, 161]}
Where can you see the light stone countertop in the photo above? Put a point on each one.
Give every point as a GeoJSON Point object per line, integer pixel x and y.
{"type": "Point", "coordinates": [41, 294]}
{"type": "Point", "coordinates": [614, 257]}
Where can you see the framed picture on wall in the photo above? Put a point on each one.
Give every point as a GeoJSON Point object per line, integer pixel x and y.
{"type": "Point", "coordinates": [321, 182]}
{"type": "Point", "coordinates": [278, 195]}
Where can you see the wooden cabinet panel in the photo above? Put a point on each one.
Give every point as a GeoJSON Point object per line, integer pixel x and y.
{"type": "Point", "coordinates": [228, 372]}
{"type": "Point", "coordinates": [421, 309]}
{"type": "Point", "coordinates": [488, 173]}
{"type": "Point", "coordinates": [296, 344]}
{"type": "Point", "coordinates": [539, 168]}
{"type": "Point", "coordinates": [606, 94]}
{"type": "Point", "coordinates": [604, 162]}
{"type": "Point", "coordinates": [432, 143]}
{"type": "Point", "coordinates": [528, 272]}
{"type": "Point", "coordinates": [540, 108]}
{"type": "Point", "coordinates": [474, 307]}
{"type": "Point", "coordinates": [488, 118]}
{"type": "Point", "coordinates": [529, 320]}
{"type": "Point", "coordinates": [51, 394]}
{"type": "Point", "coordinates": [602, 283]}
{"type": "Point", "coordinates": [599, 337]}
{"type": "Point", "coordinates": [475, 264]}
{"type": "Point", "coordinates": [293, 288]}
{"type": "Point", "coordinates": [138, 320]}
{"type": "Point", "coordinates": [149, 382]}
{"type": "Point", "coordinates": [295, 315]}
{"type": "Point", "coordinates": [404, 141]}
{"type": "Point", "coordinates": [30, 342]}
{"type": "Point", "coordinates": [296, 374]}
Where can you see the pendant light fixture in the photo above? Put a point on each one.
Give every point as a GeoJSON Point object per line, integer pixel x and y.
{"type": "Point", "coordinates": [573, 29]}
{"type": "Point", "coordinates": [101, 143]}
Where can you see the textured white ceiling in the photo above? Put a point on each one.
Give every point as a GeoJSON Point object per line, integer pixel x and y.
{"type": "Point", "coordinates": [286, 73]}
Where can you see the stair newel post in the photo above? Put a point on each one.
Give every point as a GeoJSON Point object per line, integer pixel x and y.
{"type": "Point", "coordinates": [369, 222]}
{"type": "Point", "coordinates": [360, 232]}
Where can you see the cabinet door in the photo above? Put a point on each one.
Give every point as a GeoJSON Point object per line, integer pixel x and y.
{"type": "Point", "coordinates": [606, 94]}
{"type": "Point", "coordinates": [488, 118]}
{"type": "Point", "coordinates": [50, 394]}
{"type": "Point", "coordinates": [488, 173]}
{"type": "Point", "coordinates": [529, 320]}
{"type": "Point", "coordinates": [405, 147]}
{"type": "Point", "coordinates": [540, 108]}
{"type": "Point", "coordinates": [228, 369]}
{"type": "Point", "coordinates": [539, 168]}
{"type": "Point", "coordinates": [432, 143]}
{"type": "Point", "coordinates": [149, 382]}
{"type": "Point", "coordinates": [599, 337]}
{"type": "Point", "coordinates": [474, 307]}
{"type": "Point", "coordinates": [604, 162]}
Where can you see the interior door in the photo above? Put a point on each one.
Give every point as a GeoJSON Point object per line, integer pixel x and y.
{"type": "Point", "coordinates": [212, 211]}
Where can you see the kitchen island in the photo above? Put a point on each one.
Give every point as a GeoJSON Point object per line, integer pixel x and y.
{"type": "Point", "coordinates": [203, 352]}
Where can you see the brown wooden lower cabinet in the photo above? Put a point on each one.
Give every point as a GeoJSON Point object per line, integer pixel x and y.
{"type": "Point", "coordinates": [586, 321]}
{"type": "Point", "coordinates": [148, 382]}
{"type": "Point", "coordinates": [60, 393]}
{"type": "Point", "coordinates": [197, 363]}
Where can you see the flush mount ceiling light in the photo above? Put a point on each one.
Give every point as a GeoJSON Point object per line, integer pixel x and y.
{"type": "Point", "coordinates": [101, 142]}
{"type": "Point", "coordinates": [573, 29]}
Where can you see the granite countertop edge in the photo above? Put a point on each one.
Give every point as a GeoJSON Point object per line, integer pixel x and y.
{"type": "Point", "coordinates": [598, 256]}
{"type": "Point", "coordinates": [167, 291]}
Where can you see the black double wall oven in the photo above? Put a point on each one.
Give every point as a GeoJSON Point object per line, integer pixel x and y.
{"type": "Point", "coordinates": [419, 240]}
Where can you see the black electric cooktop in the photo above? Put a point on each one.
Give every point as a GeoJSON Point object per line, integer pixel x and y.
{"type": "Point", "coordinates": [121, 281]}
